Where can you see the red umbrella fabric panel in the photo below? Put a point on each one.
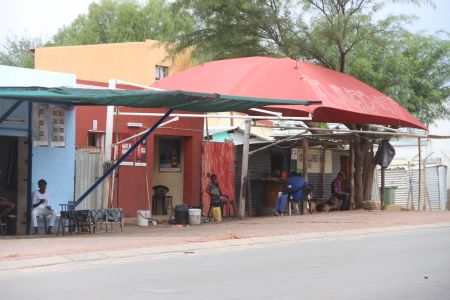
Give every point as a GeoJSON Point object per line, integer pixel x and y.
{"type": "Point", "coordinates": [344, 99]}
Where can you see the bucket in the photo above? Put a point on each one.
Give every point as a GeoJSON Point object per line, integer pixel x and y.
{"type": "Point", "coordinates": [195, 216]}
{"type": "Point", "coordinates": [181, 214]}
{"type": "Point", "coordinates": [217, 214]}
{"type": "Point", "coordinates": [143, 216]}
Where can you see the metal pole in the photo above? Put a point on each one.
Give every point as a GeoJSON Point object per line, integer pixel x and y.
{"type": "Point", "coordinates": [425, 192]}
{"type": "Point", "coordinates": [122, 158]}
{"type": "Point", "coordinates": [10, 110]}
{"type": "Point", "coordinates": [410, 186]}
{"type": "Point", "coordinates": [242, 117]}
{"type": "Point", "coordinates": [30, 164]}
{"type": "Point", "coordinates": [109, 124]}
{"type": "Point", "coordinates": [352, 175]}
{"type": "Point", "coordinates": [334, 131]}
{"type": "Point", "coordinates": [382, 187]}
{"type": "Point", "coordinates": [420, 175]}
{"type": "Point", "coordinates": [305, 159]}
{"type": "Point", "coordinates": [322, 172]}
{"type": "Point", "coordinates": [244, 169]}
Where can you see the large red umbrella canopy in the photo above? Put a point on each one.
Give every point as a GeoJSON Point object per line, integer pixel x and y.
{"type": "Point", "coordinates": [344, 99]}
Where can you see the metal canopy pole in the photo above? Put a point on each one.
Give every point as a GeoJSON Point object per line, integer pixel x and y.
{"type": "Point", "coordinates": [305, 159]}
{"type": "Point", "coordinates": [10, 110]}
{"type": "Point", "coordinates": [30, 165]}
{"type": "Point", "coordinates": [122, 158]}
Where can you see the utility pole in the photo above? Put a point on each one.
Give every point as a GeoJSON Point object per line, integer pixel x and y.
{"type": "Point", "coordinates": [244, 169]}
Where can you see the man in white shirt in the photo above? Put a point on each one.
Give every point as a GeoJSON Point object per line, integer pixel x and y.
{"type": "Point", "coordinates": [41, 207]}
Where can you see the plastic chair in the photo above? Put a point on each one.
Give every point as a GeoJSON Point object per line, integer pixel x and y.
{"type": "Point", "coordinates": [114, 216]}
{"type": "Point", "coordinates": [83, 220]}
{"type": "Point", "coordinates": [98, 216]}
{"type": "Point", "coordinates": [67, 213]}
{"type": "Point", "coordinates": [159, 195]}
{"type": "Point", "coordinates": [306, 198]}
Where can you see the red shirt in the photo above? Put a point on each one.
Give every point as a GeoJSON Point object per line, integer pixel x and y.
{"type": "Point", "coordinates": [336, 186]}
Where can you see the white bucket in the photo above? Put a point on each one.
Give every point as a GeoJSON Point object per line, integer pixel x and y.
{"type": "Point", "coordinates": [195, 216]}
{"type": "Point", "coordinates": [143, 216]}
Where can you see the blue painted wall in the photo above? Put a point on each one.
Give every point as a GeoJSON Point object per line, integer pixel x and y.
{"type": "Point", "coordinates": [56, 165]}
{"type": "Point", "coordinates": [221, 137]}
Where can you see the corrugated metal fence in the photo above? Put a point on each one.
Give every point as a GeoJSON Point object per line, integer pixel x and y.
{"type": "Point", "coordinates": [89, 166]}
{"type": "Point", "coordinates": [406, 179]}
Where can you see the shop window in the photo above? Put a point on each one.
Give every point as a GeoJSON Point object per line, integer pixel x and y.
{"type": "Point", "coordinates": [161, 72]}
{"type": "Point", "coordinates": [96, 139]}
{"type": "Point", "coordinates": [169, 155]}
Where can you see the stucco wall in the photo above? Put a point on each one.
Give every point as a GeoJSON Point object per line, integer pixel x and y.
{"type": "Point", "coordinates": [56, 165]}
{"type": "Point", "coordinates": [133, 62]}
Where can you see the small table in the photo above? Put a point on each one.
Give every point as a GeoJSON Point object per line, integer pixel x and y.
{"type": "Point", "coordinates": [68, 215]}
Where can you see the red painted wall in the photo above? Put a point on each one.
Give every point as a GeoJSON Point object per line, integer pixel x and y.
{"type": "Point", "coordinates": [132, 189]}
{"type": "Point", "coordinates": [219, 159]}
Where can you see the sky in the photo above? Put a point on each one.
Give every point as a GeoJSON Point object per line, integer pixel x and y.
{"type": "Point", "coordinates": [43, 18]}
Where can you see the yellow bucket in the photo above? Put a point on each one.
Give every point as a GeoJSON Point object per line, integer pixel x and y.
{"type": "Point", "coordinates": [217, 214]}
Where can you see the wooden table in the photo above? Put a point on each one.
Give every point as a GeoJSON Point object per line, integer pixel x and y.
{"type": "Point", "coordinates": [272, 186]}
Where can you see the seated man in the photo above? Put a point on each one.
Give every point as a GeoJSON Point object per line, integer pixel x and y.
{"type": "Point", "coordinates": [215, 193]}
{"type": "Point", "coordinates": [293, 186]}
{"type": "Point", "coordinates": [41, 207]}
{"type": "Point", "coordinates": [6, 207]}
{"type": "Point", "coordinates": [338, 191]}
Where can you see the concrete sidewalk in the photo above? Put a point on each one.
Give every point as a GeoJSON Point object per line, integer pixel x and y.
{"type": "Point", "coordinates": [31, 252]}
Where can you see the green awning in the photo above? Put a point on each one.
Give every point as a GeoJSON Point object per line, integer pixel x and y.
{"type": "Point", "coordinates": [178, 100]}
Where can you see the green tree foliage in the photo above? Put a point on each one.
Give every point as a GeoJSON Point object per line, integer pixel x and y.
{"type": "Point", "coordinates": [344, 35]}
{"type": "Point", "coordinates": [17, 52]}
{"type": "Point", "coordinates": [414, 69]}
{"type": "Point", "coordinates": [113, 21]}
{"type": "Point", "coordinates": [238, 28]}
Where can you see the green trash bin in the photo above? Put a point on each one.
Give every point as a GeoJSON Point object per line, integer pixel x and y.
{"type": "Point", "coordinates": [389, 195]}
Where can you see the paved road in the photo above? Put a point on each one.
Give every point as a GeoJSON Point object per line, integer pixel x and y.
{"type": "Point", "coordinates": [413, 265]}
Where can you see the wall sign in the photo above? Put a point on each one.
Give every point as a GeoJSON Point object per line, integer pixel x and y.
{"type": "Point", "coordinates": [58, 129]}
{"type": "Point", "coordinates": [49, 125]}
{"type": "Point", "coordinates": [124, 147]}
{"type": "Point", "coordinates": [141, 155]}
{"type": "Point", "coordinates": [138, 157]}
{"type": "Point", "coordinates": [40, 125]}
{"type": "Point", "coordinates": [314, 160]}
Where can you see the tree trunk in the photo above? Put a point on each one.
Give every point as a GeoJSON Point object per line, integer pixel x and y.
{"type": "Point", "coordinates": [368, 169]}
{"type": "Point", "coordinates": [359, 188]}
{"type": "Point", "coordinates": [364, 166]}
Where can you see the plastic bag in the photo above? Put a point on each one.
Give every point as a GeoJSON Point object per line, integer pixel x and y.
{"type": "Point", "coordinates": [385, 154]}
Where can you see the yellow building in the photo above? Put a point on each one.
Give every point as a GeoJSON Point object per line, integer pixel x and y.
{"type": "Point", "coordinates": [136, 62]}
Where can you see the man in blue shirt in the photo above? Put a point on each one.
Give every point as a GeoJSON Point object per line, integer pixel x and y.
{"type": "Point", "coordinates": [294, 185]}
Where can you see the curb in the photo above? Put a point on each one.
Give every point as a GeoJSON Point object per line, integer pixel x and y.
{"type": "Point", "coordinates": [203, 247]}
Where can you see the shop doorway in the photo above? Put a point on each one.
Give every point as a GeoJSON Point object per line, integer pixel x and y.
{"type": "Point", "coordinates": [13, 180]}
{"type": "Point", "coordinates": [168, 166]}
